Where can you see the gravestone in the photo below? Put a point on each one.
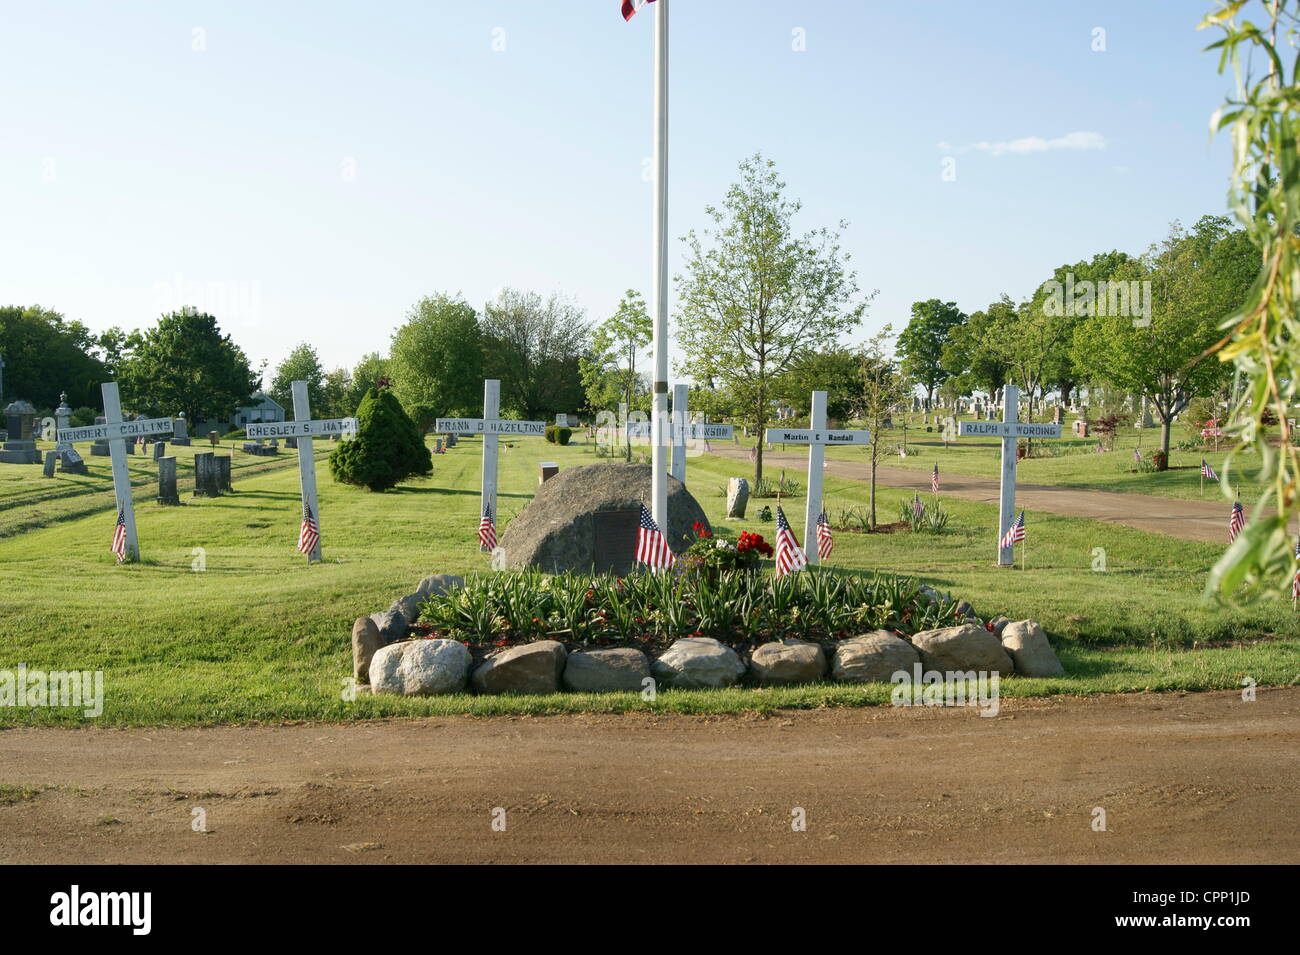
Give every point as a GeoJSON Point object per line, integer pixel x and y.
{"type": "Point", "coordinates": [51, 458]}
{"type": "Point", "coordinates": [205, 475]}
{"type": "Point", "coordinates": [585, 520]}
{"type": "Point", "coordinates": [120, 435]}
{"type": "Point", "coordinates": [1080, 428]}
{"type": "Point", "coordinates": [180, 431]}
{"type": "Point", "coordinates": [99, 449]}
{"type": "Point", "coordinates": [548, 470]}
{"type": "Point", "coordinates": [737, 497]}
{"type": "Point", "coordinates": [159, 449]}
{"type": "Point", "coordinates": [71, 462]}
{"type": "Point", "coordinates": [222, 462]}
{"type": "Point", "coordinates": [1010, 430]}
{"type": "Point", "coordinates": [304, 430]}
{"type": "Point", "coordinates": [20, 445]}
{"type": "Point", "coordinates": [818, 437]}
{"type": "Point", "coordinates": [167, 493]}
{"type": "Point", "coordinates": [1058, 415]}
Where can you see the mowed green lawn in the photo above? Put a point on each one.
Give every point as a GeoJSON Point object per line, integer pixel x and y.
{"type": "Point", "coordinates": [254, 634]}
{"type": "Point", "coordinates": [1073, 462]}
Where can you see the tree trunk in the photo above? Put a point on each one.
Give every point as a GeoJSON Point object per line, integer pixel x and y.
{"type": "Point", "coordinates": [873, 492]}
{"type": "Point", "coordinates": [758, 461]}
{"type": "Point", "coordinates": [1166, 420]}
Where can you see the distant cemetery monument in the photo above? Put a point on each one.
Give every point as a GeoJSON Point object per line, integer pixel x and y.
{"type": "Point", "coordinates": [20, 447]}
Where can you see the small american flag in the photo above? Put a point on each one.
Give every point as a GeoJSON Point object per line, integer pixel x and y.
{"type": "Point", "coordinates": [651, 545]}
{"type": "Point", "coordinates": [753, 455]}
{"type": "Point", "coordinates": [119, 536]}
{"type": "Point", "coordinates": [1207, 471]}
{"type": "Point", "coordinates": [918, 509]}
{"type": "Point", "coordinates": [825, 542]}
{"type": "Point", "coordinates": [934, 479]}
{"type": "Point", "coordinates": [630, 7]}
{"type": "Point", "coordinates": [309, 533]}
{"type": "Point", "coordinates": [1295, 580]}
{"type": "Point", "coordinates": [789, 555]}
{"type": "Point", "coordinates": [1137, 455]}
{"type": "Point", "coordinates": [1015, 533]}
{"type": "Point", "coordinates": [1236, 522]}
{"type": "Point", "coordinates": [487, 531]}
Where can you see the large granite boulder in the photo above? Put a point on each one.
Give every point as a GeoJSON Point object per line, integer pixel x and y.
{"type": "Point", "coordinates": [968, 647]}
{"type": "Point", "coordinates": [616, 670]}
{"type": "Point", "coordinates": [584, 519]}
{"type": "Point", "coordinates": [788, 661]}
{"type": "Point", "coordinates": [531, 668]}
{"type": "Point", "coordinates": [1027, 645]}
{"type": "Point", "coordinates": [420, 667]}
{"type": "Point", "coordinates": [695, 662]}
{"type": "Point", "coordinates": [366, 641]}
{"type": "Point", "coordinates": [873, 658]}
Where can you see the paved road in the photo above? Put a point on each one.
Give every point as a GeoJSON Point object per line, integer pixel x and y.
{"type": "Point", "coordinates": [1201, 777]}
{"type": "Point", "coordinates": [1193, 520]}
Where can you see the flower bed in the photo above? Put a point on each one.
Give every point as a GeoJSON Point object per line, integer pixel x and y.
{"type": "Point", "coordinates": [710, 593]}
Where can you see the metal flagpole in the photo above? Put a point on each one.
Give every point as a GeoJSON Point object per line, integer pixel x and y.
{"type": "Point", "coordinates": [659, 287]}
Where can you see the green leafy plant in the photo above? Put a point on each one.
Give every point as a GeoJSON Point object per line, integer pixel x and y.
{"type": "Point", "coordinates": [737, 607]}
{"type": "Point", "coordinates": [1262, 338]}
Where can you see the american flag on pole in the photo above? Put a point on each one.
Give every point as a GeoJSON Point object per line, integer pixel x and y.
{"type": "Point", "coordinates": [630, 7]}
{"type": "Point", "coordinates": [1236, 522]}
{"type": "Point", "coordinates": [789, 555]}
{"type": "Point", "coordinates": [1295, 580]}
{"type": "Point", "coordinates": [825, 542]}
{"type": "Point", "coordinates": [1015, 533]}
{"type": "Point", "coordinates": [934, 479]}
{"type": "Point", "coordinates": [1137, 455]}
{"type": "Point", "coordinates": [487, 530]}
{"type": "Point", "coordinates": [118, 546]}
{"type": "Point", "coordinates": [651, 545]}
{"type": "Point", "coordinates": [918, 509]}
{"type": "Point", "coordinates": [753, 455]}
{"type": "Point", "coordinates": [1207, 471]}
{"type": "Point", "coordinates": [309, 533]}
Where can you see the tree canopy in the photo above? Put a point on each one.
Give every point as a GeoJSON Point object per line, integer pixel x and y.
{"type": "Point", "coordinates": [757, 297]}
{"type": "Point", "coordinates": [436, 357]}
{"type": "Point", "coordinates": [185, 363]}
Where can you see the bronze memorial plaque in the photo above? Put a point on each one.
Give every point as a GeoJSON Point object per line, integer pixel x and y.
{"type": "Point", "coordinates": [614, 540]}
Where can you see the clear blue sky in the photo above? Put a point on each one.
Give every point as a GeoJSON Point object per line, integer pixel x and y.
{"type": "Point", "coordinates": [133, 165]}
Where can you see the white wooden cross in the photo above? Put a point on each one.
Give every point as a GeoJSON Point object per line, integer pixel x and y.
{"type": "Point", "coordinates": [491, 427]}
{"type": "Point", "coordinates": [303, 429]}
{"type": "Point", "coordinates": [817, 437]}
{"type": "Point", "coordinates": [681, 429]}
{"type": "Point", "coordinates": [1008, 429]}
{"type": "Point", "coordinates": [117, 432]}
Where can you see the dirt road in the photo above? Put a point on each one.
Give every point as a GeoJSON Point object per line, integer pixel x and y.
{"type": "Point", "coordinates": [1182, 778]}
{"type": "Point", "coordinates": [1193, 520]}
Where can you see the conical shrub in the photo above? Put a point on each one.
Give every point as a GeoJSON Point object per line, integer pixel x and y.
{"type": "Point", "coordinates": [386, 449]}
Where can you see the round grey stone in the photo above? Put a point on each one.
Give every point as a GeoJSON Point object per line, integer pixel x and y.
{"type": "Point", "coordinates": [420, 667]}
{"type": "Point", "coordinates": [615, 670]}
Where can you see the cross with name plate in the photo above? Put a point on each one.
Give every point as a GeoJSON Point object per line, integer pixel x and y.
{"type": "Point", "coordinates": [681, 430]}
{"type": "Point", "coordinates": [817, 437]}
{"type": "Point", "coordinates": [1009, 429]}
{"type": "Point", "coordinates": [117, 432]}
{"type": "Point", "coordinates": [303, 430]}
{"type": "Point", "coordinates": [491, 427]}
